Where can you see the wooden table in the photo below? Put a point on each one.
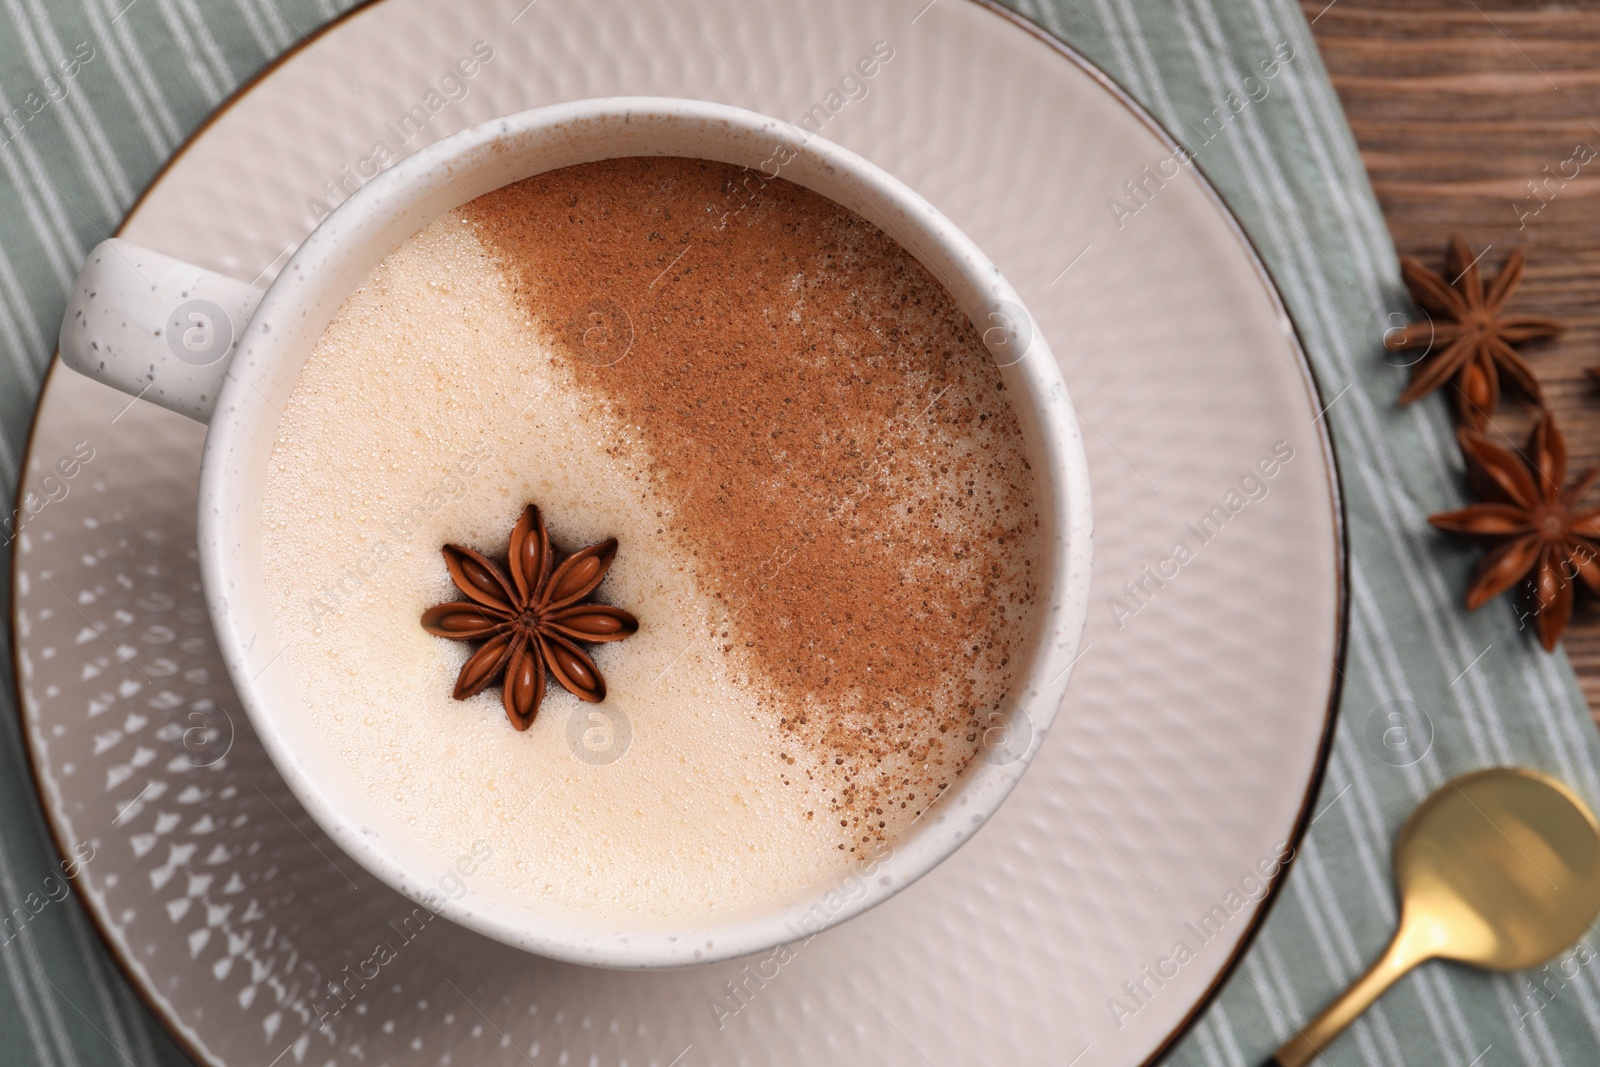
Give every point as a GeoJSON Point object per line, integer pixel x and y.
{"type": "Point", "coordinates": [1457, 107]}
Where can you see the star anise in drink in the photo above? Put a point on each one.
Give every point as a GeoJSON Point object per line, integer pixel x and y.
{"type": "Point", "coordinates": [531, 621]}
{"type": "Point", "coordinates": [1533, 522]}
{"type": "Point", "coordinates": [1466, 337]}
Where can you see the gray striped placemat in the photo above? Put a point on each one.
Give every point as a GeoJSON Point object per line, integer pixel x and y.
{"type": "Point", "coordinates": [100, 92]}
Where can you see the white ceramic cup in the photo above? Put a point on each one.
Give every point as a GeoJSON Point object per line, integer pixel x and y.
{"type": "Point", "coordinates": [228, 354]}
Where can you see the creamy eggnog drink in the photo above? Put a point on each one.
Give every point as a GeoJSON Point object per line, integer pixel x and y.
{"type": "Point", "coordinates": [823, 575]}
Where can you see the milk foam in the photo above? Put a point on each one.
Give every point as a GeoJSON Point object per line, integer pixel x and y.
{"type": "Point", "coordinates": [431, 411]}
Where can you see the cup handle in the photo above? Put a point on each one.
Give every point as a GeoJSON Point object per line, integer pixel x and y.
{"type": "Point", "coordinates": [155, 327]}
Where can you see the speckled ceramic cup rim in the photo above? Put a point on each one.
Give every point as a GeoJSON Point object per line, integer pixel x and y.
{"type": "Point", "coordinates": [398, 203]}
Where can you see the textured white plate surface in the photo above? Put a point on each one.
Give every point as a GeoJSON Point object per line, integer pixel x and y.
{"type": "Point", "coordinates": [1181, 759]}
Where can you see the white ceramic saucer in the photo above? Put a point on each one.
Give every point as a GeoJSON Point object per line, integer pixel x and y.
{"type": "Point", "coordinates": [1184, 755]}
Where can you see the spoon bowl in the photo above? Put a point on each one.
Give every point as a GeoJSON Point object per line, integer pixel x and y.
{"type": "Point", "coordinates": [1498, 869]}
{"type": "Point", "coordinates": [1504, 864]}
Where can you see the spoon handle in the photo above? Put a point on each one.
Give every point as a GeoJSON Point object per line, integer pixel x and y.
{"type": "Point", "coordinates": [1309, 1042]}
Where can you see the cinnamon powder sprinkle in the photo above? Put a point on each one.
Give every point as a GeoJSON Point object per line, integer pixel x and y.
{"type": "Point", "coordinates": [844, 471]}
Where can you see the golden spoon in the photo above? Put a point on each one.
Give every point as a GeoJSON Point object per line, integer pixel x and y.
{"type": "Point", "coordinates": [1499, 869]}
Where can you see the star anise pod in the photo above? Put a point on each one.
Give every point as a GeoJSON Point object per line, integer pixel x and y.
{"type": "Point", "coordinates": [1533, 522]}
{"type": "Point", "coordinates": [1466, 337]}
{"type": "Point", "coordinates": [529, 622]}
